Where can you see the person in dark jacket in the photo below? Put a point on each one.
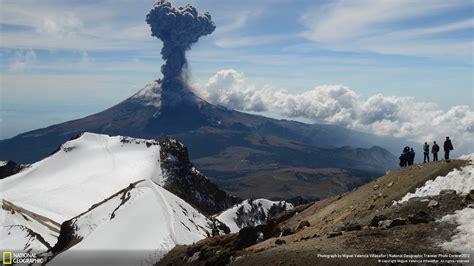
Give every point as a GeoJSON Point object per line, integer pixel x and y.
{"type": "Point", "coordinates": [448, 146]}
{"type": "Point", "coordinates": [434, 151]}
{"type": "Point", "coordinates": [411, 156]}
{"type": "Point", "coordinates": [402, 160]}
{"type": "Point", "coordinates": [406, 156]}
{"type": "Point", "coordinates": [426, 152]}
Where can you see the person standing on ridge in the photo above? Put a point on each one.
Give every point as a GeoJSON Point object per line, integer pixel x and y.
{"type": "Point", "coordinates": [406, 155]}
{"type": "Point", "coordinates": [434, 151]}
{"type": "Point", "coordinates": [411, 155]}
{"type": "Point", "coordinates": [448, 146]}
{"type": "Point", "coordinates": [426, 152]}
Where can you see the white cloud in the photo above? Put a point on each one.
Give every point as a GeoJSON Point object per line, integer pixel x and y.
{"type": "Point", "coordinates": [403, 117]}
{"type": "Point", "coordinates": [387, 27]}
{"type": "Point", "coordinates": [21, 60]}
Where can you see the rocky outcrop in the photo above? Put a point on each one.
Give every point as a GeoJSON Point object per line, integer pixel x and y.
{"type": "Point", "coordinates": [9, 168]}
{"type": "Point", "coordinates": [186, 182]}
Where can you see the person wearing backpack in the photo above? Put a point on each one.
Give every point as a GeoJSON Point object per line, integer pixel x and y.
{"type": "Point", "coordinates": [434, 151]}
{"type": "Point", "coordinates": [448, 146]}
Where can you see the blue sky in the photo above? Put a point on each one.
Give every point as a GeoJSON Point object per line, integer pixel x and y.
{"type": "Point", "coordinates": [67, 59]}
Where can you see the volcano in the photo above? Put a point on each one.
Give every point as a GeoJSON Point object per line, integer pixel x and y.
{"type": "Point", "coordinates": [243, 153]}
{"type": "Point", "coordinates": [240, 152]}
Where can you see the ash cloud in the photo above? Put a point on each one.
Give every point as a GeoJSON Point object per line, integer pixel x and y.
{"type": "Point", "coordinates": [178, 28]}
{"type": "Point", "coordinates": [403, 117]}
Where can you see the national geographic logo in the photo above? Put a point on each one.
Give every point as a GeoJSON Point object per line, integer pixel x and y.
{"type": "Point", "coordinates": [9, 258]}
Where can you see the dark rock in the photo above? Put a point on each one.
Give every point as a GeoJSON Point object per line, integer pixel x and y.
{"type": "Point", "coordinates": [419, 217]}
{"type": "Point", "coordinates": [371, 207]}
{"type": "Point", "coordinates": [10, 168]}
{"type": "Point", "coordinates": [352, 226]}
{"type": "Point", "coordinates": [334, 234]}
{"type": "Point", "coordinates": [392, 223]}
{"type": "Point", "coordinates": [468, 197]}
{"type": "Point", "coordinates": [447, 192]}
{"type": "Point", "coordinates": [399, 221]}
{"type": "Point", "coordinates": [280, 242]}
{"type": "Point", "coordinates": [287, 231]}
{"type": "Point", "coordinates": [303, 224]}
{"type": "Point", "coordinates": [375, 221]}
{"type": "Point", "coordinates": [247, 236]}
{"type": "Point", "coordinates": [186, 182]}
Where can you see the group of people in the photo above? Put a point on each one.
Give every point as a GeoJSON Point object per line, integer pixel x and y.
{"type": "Point", "coordinates": [408, 156]}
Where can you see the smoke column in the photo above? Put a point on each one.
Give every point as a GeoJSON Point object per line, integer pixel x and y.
{"type": "Point", "coordinates": [178, 28]}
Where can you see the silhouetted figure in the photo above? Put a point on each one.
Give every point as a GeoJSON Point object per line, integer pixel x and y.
{"type": "Point", "coordinates": [411, 156]}
{"type": "Point", "coordinates": [426, 152]}
{"type": "Point", "coordinates": [406, 156]}
{"type": "Point", "coordinates": [402, 160]}
{"type": "Point", "coordinates": [434, 151]}
{"type": "Point", "coordinates": [448, 146]}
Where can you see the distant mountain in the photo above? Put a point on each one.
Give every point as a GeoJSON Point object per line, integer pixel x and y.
{"type": "Point", "coordinates": [226, 145]}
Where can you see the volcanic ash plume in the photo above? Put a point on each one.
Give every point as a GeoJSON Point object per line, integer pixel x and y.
{"type": "Point", "coordinates": [178, 28]}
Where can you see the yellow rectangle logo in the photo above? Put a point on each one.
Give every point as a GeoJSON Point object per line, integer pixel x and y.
{"type": "Point", "coordinates": [7, 257]}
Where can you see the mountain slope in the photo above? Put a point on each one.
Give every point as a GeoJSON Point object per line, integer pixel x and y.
{"type": "Point", "coordinates": [224, 144]}
{"type": "Point", "coordinates": [93, 179]}
{"type": "Point", "coordinates": [137, 225]}
{"type": "Point", "coordinates": [367, 220]}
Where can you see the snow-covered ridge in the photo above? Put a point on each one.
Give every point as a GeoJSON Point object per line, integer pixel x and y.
{"type": "Point", "coordinates": [144, 217]}
{"type": "Point", "coordinates": [82, 172]}
{"type": "Point", "coordinates": [251, 213]}
{"type": "Point", "coordinates": [109, 193]}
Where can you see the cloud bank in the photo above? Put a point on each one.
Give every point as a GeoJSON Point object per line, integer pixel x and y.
{"type": "Point", "coordinates": [403, 117]}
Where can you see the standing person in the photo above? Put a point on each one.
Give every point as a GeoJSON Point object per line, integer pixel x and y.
{"type": "Point", "coordinates": [448, 146]}
{"type": "Point", "coordinates": [406, 155]}
{"type": "Point", "coordinates": [426, 152]}
{"type": "Point", "coordinates": [411, 155]}
{"type": "Point", "coordinates": [434, 151]}
{"type": "Point", "coordinates": [402, 160]}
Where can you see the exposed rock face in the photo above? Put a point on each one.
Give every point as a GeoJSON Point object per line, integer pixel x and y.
{"type": "Point", "coordinates": [186, 182]}
{"type": "Point", "coordinates": [9, 168]}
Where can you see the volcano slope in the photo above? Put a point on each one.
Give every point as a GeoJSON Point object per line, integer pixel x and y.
{"type": "Point", "coordinates": [230, 147]}
{"type": "Point", "coordinates": [348, 224]}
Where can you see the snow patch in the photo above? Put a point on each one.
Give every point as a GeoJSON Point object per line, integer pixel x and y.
{"type": "Point", "coordinates": [3, 163]}
{"type": "Point", "coordinates": [463, 240]}
{"type": "Point", "coordinates": [460, 180]}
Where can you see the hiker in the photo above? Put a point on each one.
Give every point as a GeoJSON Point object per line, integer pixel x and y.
{"type": "Point", "coordinates": [411, 155]}
{"type": "Point", "coordinates": [434, 151]}
{"type": "Point", "coordinates": [406, 156]}
{"type": "Point", "coordinates": [448, 146]}
{"type": "Point", "coordinates": [402, 160]}
{"type": "Point", "coordinates": [426, 152]}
